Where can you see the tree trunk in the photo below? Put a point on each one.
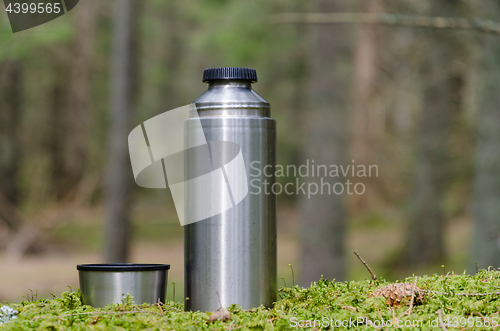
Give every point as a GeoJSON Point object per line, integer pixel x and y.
{"type": "Point", "coordinates": [364, 124]}
{"type": "Point", "coordinates": [79, 119]}
{"type": "Point", "coordinates": [323, 216]}
{"type": "Point", "coordinates": [119, 177]}
{"type": "Point", "coordinates": [486, 245]}
{"type": "Point", "coordinates": [173, 57]}
{"type": "Point", "coordinates": [58, 130]}
{"type": "Point", "coordinates": [10, 156]}
{"type": "Point", "coordinates": [299, 75]}
{"type": "Point", "coordinates": [425, 238]}
{"type": "Point", "coordinates": [442, 94]}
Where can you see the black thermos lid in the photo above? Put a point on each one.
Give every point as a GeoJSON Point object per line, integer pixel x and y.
{"type": "Point", "coordinates": [225, 73]}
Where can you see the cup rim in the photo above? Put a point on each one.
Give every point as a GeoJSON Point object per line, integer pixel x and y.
{"type": "Point", "coordinates": [122, 267]}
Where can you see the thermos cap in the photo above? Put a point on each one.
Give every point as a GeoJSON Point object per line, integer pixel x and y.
{"type": "Point", "coordinates": [225, 73]}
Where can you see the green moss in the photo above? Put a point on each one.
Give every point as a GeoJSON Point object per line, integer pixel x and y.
{"type": "Point", "coordinates": [324, 301]}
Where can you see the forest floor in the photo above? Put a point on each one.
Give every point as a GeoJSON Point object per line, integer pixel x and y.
{"type": "Point", "coordinates": [155, 240]}
{"type": "Point", "coordinates": [438, 302]}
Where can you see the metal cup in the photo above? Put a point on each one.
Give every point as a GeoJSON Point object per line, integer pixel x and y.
{"type": "Point", "coordinates": [104, 284]}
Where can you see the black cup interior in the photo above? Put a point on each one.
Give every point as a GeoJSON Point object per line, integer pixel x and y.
{"type": "Point", "coordinates": [122, 267]}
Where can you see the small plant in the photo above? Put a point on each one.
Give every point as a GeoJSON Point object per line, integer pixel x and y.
{"type": "Point", "coordinates": [71, 300]}
{"type": "Point", "coordinates": [293, 277]}
{"type": "Point", "coordinates": [33, 297]}
{"type": "Point", "coordinates": [173, 294]}
{"type": "Point", "coordinates": [127, 299]}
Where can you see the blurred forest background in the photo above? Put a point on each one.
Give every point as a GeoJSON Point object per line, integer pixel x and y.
{"type": "Point", "coordinates": [421, 103]}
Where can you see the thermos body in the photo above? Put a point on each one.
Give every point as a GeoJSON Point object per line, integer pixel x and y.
{"type": "Point", "coordinates": [233, 255]}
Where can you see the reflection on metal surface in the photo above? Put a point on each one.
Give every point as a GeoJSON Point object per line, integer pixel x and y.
{"type": "Point", "coordinates": [205, 178]}
{"type": "Point", "coordinates": [104, 284]}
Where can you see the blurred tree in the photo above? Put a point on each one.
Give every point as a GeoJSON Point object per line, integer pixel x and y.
{"type": "Point", "coordinates": [10, 149]}
{"type": "Point", "coordinates": [424, 242]}
{"type": "Point", "coordinates": [119, 177]}
{"type": "Point", "coordinates": [299, 71]}
{"type": "Point", "coordinates": [323, 216]}
{"type": "Point", "coordinates": [173, 57]}
{"type": "Point", "coordinates": [364, 136]}
{"type": "Point", "coordinates": [78, 122]}
{"type": "Point", "coordinates": [486, 244]}
{"type": "Point", "coordinates": [57, 118]}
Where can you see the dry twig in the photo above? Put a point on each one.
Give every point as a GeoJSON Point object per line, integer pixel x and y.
{"type": "Point", "coordinates": [461, 294]}
{"type": "Point", "coordinates": [379, 314]}
{"type": "Point", "coordinates": [159, 307]}
{"type": "Point", "coordinates": [441, 324]}
{"type": "Point", "coordinates": [351, 308]}
{"type": "Point", "coordinates": [409, 310]}
{"type": "Point", "coordinates": [374, 277]}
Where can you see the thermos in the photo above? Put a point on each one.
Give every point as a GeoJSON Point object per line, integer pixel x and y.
{"type": "Point", "coordinates": [231, 256]}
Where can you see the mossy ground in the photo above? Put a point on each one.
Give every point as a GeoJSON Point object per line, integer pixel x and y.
{"type": "Point", "coordinates": [347, 305]}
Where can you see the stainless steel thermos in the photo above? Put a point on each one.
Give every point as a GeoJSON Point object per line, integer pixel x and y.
{"type": "Point", "coordinates": [232, 255]}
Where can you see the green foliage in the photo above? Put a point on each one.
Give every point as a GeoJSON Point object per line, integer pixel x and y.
{"type": "Point", "coordinates": [324, 301]}
{"type": "Point", "coordinates": [23, 46]}
{"type": "Point", "coordinates": [127, 300]}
